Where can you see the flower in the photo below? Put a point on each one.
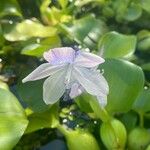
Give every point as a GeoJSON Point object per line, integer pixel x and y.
{"type": "Point", "coordinates": [73, 70]}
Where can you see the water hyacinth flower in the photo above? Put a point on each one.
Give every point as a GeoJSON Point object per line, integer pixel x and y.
{"type": "Point", "coordinates": [69, 69]}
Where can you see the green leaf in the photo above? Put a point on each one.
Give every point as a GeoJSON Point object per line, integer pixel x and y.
{"type": "Point", "coordinates": [47, 119]}
{"type": "Point", "coordinates": [99, 111]}
{"type": "Point", "coordinates": [9, 7]}
{"type": "Point", "coordinates": [113, 134]}
{"type": "Point", "coordinates": [13, 121]}
{"type": "Point", "coordinates": [83, 102]}
{"type": "Point", "coordinates": [146, 5]}
{"type": "Point", "coordinates": [125, 80]}
{"type": "Point", "coordinates": [86, 31]}
{"type": "Point", "coordinates": [146, 66]}
{"type": "Point", "coordinates": [129, 120]}
{"type": "Point", "coordinates": [116, 45]}
{"type": "Point", "coordinates": [143, 40]}
{"type": "Point", "coordinates": [80, 3]}
{"type": "Point", "coordinates": [37, 49]}
{"type": "Point", "coordinates": [52, 15]}
{"type": "Point", "coordinates": [27, 29]}
{"type": "Point", "coordinates": [142, 103]}
{"type": "Point", "coordinates": [63, 3]}
{"type": "Point", "coordinates": [4, 86]}
{"type": "Point", "coordinates": [32, 94]}
{"type": "Point", "coordinates": [126, 10]}
{"type": "Point", "coordinates": [133, 138]}
{"type": "Point", "coordinates": [79, 139]}
{"type": "Point", "coordinates": [144, 45]}
{"type": "Point", "coordinates": [134, 11]}
{"type": "Point", "coordinates": [89, 104]}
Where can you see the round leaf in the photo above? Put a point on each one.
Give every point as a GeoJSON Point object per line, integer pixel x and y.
{"type": "Point", "coordinates": [125, 81]}
{"type": "Point", "coordinates": [13, 121]}
{"type": "Point", "coordinates": [27, 29]}
{"type": "Point", "coordinates": [142, 103]}
{"type": "Point", "coordinates": [37, 49]}
{"type": "Point", "coordinates": [86, 31]}
{"type": "Point", "coordinates": [116, 45]}
{"type": "Point", "coordinates": [32, 94]}
{"type": "Point", "coordinates": [146, 5]}
{"type": "Point", "coordinates": [9, 7]}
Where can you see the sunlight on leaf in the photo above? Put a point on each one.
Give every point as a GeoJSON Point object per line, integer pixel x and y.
{"type": "Point", "coordinates": [86, 31]}
{"type": "Point", "coordinates": [125, 80]}
{"type": "Point", "coordinates": [26, 30]}
{"type": "Point", "coordinates": [116, 45]}
{"type": "Point", "coordinates": [37, 49]}
{"type": "Point", "coordinates": [9, 7]}
{"type": "Point", "coordinates": [13, 120]}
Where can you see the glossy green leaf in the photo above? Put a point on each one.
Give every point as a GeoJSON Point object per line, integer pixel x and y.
{"type": "Point", "coordinates": [47, 119]}
{"type": "Point", "coordinates": [53, 15]}
{"type": "Point", "coordinates": [116, 45]}
{"type": "Point", "coordinates": [144, 44]}
{"type": "Point", "coordinates": [13, 121]}
{"type": "Point", "coordinates": [9, 7]}
{"type": "Point", "coordinates": [4, 86]}
{"type": "Point", "coordinates": [37, 49]}
{"type": "Point", "coordinates": [133, 139]}
{"type": "Point", "coordinates": [134, 11]}
{"type": "Point", "coordinates": [31, 92]}
{"type": "Point", "coordinates": [129, 120]}
{"type": "Point", "coordinates": [79, 139]}
{"type": "Point", "coordinates": [143, 40]}
{"type": "Point", "coordinates": [83, 102]}
{"type": "Point", "coordinates": [142, 103]}
{"type": "Point", "coordinates": [86, 31]}
{"type": "Point", "coordinates": [27, 29]}
{"type": "Point", "coordinates": [125, 80]}
{"type": "Point", "coordinates": [89, 104]}
{"type": "Point", "coordinates": [113, 134]}
{"type": "Point", "coordinates": [126, 10]}
{"type": "Point", "coordinates": [146, 66]}
{"type": "Point", "coordinates": [148, 147]}
{"type": "Point", "coordinates": [80, 3]}
{"type": "Point", "coordinates": [63, 3]}
{"type": "Point", "coordinates": [99, 111]}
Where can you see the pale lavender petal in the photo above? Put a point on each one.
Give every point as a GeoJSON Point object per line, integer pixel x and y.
{"type": "Point", "coordinates": [68, 77]}
{"type": "Point", "coordinates": [89, 60]}
{"type": "Point", "coordinates": [76, 90]}
{"type": "Point", "coordinates": [60, 55]}
{"type": "Point", "coordinates": [102, 100]}
{"type": "Point", "coordinates": [42, 71]}
{"type": "Point", "coordinates": [54, 87]}
{"type": "Point", "coordinates": [92, 81]}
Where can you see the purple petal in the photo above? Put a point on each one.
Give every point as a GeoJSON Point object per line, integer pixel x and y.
{"type": "Point", "coordinates": [60, 55]}
{"type": "Point", "coordinates": [93, 82]}
{"type": "Point", "coordinates": [54, 87]}
{"type": "Point", "coordinates": [89, 60]}
{"type": "Point", "coordinates": [102, 100]}
{"type": "Point", "coordinates": [42, 71]}
{"type": "Point", "coordinates": [76, 90]}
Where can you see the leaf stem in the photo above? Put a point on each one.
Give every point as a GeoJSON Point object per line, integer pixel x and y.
{"type": "Point", "coordinates": [99, 111]}
{"type": "Point", "coordinates": [141, 118]}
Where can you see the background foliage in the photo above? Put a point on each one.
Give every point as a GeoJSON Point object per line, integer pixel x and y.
{"type": "Point", "coordinates": [119, 31]}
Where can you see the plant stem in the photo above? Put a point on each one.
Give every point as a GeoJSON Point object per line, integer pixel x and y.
{"type": "Point", "coordinates": [62, 129]}
{"type": "Point", "coordinates": [141, 117]}
{"type": "Point", "coordinates": [99, 111]}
